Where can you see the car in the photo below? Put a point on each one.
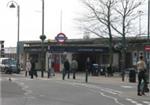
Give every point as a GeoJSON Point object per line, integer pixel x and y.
{"type": "Point", "coordinates": [2, 64]}
{"type": "Point", "coordinates": [8, 65]}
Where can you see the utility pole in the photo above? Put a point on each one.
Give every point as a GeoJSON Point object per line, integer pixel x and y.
{"type": "Point", "coordinates": [13, 5]}
{"type": "Point", "coordinates": [42, 37]}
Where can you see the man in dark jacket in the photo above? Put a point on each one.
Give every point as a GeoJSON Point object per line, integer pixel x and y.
{"type": "Point", "coordinates": [66, 69]}
{"type": "Point", "coordinates": [33, 70]}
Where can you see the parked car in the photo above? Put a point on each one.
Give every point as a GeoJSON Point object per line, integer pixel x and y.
{"type": "Point", "coordinates": [2, 65]}
{"type": "Point", "coordinates": [8, 65]}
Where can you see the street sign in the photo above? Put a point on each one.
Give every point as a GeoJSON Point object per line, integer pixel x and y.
{"type": "Point", "coordinates": [61, 38]}
{"type": "Point", "coordinates": [147, 48]}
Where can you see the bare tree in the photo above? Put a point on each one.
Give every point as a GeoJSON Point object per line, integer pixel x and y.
{"type": "Point", "coordinates": [100, 17]}
{"type": "Point", "coordinates": [126, 12]}
{"type": "Point", "coordinates": [110, 17]}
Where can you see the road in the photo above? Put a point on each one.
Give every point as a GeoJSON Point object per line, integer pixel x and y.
{"type": "Point", "coordinates": [55, 91]}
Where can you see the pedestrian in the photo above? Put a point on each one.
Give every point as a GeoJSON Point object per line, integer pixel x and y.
{"type": "Point", "coordinates": [66, 69]}
{"type": "Point", "coordinates": [33, 70]}
{"type": "Point", "coordinates": [52, 68]}
{"type": "Point", "coordinates": [51, 71]}
{"type": "Point", "coordinates": [88, 65]}
{"type": "Point", "coordinates": [141, 66]}
{"type": "Point", "coordinates": [28, 68]}
{"type": "Point", "coordinates": [109, 71]}
{"type": "Point", "coordinates": [74, 67]}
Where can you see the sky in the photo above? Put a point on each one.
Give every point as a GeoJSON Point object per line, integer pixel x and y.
{"type": "Point", "coordinates": [31, 19]}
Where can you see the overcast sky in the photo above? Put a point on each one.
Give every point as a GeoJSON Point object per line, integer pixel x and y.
{"type": "Point", "coordinates": [30, 19]}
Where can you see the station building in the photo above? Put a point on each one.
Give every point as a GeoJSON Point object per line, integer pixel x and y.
{"type": "Point", "coordinates": [96, 49]}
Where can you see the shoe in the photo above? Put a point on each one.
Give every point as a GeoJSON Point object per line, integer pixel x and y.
{"type": "Point", "coordinates": [139, 94]}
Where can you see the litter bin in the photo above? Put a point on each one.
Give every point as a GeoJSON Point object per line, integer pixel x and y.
{"type": "Point", "coordinates": [95, 70]}
{"type": "Point", "coordinates": [132, 75]}
{"type": "Point", "coordinates": [103, 70]}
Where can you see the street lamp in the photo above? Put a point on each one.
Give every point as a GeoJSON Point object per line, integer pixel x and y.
{"type": "Point", "coordinates": [42, 37]}
{"type": "Point", "coordinates": [14, 4]}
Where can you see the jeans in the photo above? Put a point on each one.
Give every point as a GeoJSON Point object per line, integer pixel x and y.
{"type": "Point", "coordinates": [141, 76]}
{"type": "Point", "coordinates": [66, 72]}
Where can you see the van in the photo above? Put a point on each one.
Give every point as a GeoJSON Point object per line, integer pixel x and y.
{"type": "Point", "coordinates": [8, 65]}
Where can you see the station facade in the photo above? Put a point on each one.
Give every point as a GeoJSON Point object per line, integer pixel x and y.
{"type": "Point", "coordinates": [96, 49]}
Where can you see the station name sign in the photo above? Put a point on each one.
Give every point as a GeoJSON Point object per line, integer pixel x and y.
{"type": "Point", "coordinates": [78, 49]}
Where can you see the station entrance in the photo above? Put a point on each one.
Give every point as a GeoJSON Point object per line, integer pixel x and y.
{"type": "Point", "coordinates": [81, 53]}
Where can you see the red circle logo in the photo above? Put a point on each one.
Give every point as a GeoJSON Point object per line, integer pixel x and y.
{"type": "Point", "coordinates": [61, 38]}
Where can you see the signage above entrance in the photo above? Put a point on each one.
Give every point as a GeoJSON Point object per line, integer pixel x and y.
{"type": "Point", "coordinates": [61, 38]}
{"type": "Point", "coordinates": [147, 48]}
{"type": "Point", "coordinates": [78, 49]}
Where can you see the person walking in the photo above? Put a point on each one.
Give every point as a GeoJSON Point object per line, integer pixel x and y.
{"type": "Point", "coordinates": [66, 69]}
{"type": "Point", "coordinates": [74, 67]}
{"type": "Point", "coordinates": [28, 68]}
{"type": "Point", "coordinates": [88, 65]}
{"type": "Point", "coordinates": [141, 66]}
{"type": "Point", "coordinates": [52, 69]}
{"type": "Point", "coordinates": [33, 70]}
{"type": "Point", "coordinates": [87, 68]}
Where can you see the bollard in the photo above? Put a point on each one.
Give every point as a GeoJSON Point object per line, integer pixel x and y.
{"type": "Point", "coordinates": [86, 75]}
{"type": "Point", "coordinates": [63, 74]}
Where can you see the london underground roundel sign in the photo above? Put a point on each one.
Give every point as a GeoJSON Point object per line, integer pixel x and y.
{"type": "Point", "coordinates": [61, 38]}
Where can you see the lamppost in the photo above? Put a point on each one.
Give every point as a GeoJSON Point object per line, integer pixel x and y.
{"type": "Point", "coordinates": [14, 4]}
{"type": "Point", "coordinates": [42, 37]}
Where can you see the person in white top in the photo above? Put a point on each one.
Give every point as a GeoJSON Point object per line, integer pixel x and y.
{"type": "Point", "coordinates": [141, 67]}
{"type": "Point", "coordinates": [28, 67]}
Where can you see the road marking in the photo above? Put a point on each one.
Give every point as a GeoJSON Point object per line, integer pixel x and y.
{"type": "Point", "coordinates": [31, 97]}
{"type": "Point", "coordinates": [146, 102]}
{"type": "Point", "coordinates": [115, 99]}
{"type": "Point", "coordinates": [107, 90]}
{"type": "Point", "coordinates": [132, 101]}
{"type": "Point", "coordinates": [24, 87]}
{"type": "Point", "coordinates": [129, 87]}
{"type": "Point", "coordinates": [28, 92]}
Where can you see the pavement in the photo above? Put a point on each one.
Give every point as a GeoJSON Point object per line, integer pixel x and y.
{"type": "Point", "coordinates": [80, 78]}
